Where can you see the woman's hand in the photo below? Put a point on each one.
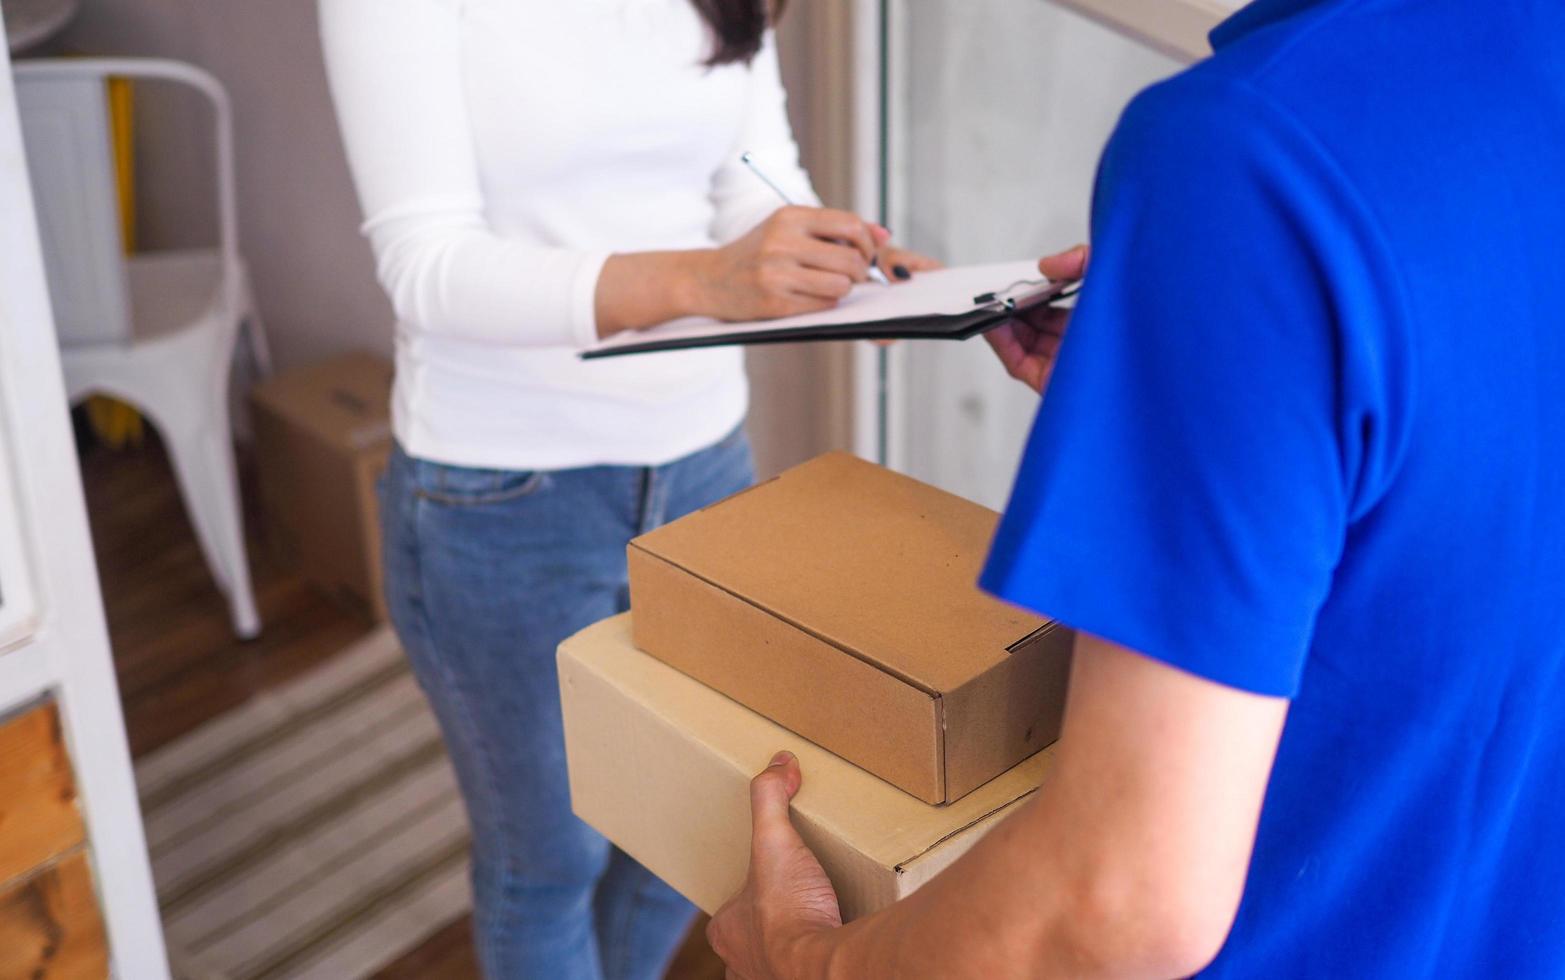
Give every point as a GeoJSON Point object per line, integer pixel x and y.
{"type": "Point", "coordinates": [899, 264]}
{"type": "Point", "coordinates": [800, 260]}
{"type": "Point", "coordinates": [1027, 344]}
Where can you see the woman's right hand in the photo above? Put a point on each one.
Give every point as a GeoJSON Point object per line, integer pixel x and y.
{"type": "Point", "coordinates": [800, 260]}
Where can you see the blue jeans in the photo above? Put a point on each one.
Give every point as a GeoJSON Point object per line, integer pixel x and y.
{"type": "Point", "coordinates": [486, 572]}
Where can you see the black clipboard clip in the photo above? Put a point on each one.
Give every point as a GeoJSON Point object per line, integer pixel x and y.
{"type": "Point", "coordinates": [1006, 299]}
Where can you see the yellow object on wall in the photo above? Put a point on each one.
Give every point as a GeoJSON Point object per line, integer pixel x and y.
{"type": "Point", "coordinates": [122, 119]}
{"type": "Point", "coordinates": [113, 422]}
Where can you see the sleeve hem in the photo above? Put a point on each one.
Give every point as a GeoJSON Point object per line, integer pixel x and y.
{"type": "Point", "coordinates": [584, 299]}
{"type": "Point", "coordinates": [1233, 650]}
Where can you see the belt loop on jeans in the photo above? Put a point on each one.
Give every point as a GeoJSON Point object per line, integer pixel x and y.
{"type": "Point", "coordinates": [656, 485]}
{"type": "Point", "coordinates": [645, 518]}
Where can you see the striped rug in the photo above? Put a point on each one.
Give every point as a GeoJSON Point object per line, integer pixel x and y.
{"type": "Point", "coordinates": [315, 832]}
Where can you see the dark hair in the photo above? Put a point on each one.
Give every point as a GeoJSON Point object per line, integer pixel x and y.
{"type": "Point", "coordinates": [738, 26]}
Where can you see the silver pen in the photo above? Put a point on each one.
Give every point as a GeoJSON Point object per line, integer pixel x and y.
{"type": "Point", "coordinates": [748, 160]}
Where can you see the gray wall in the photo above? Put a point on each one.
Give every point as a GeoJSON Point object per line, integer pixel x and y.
{"type": "Point", "coordinates": [313, 273]}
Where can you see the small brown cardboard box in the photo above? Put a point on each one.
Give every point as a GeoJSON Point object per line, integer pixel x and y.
{"type": "Point", "coordinates": [660, 764]}
{"type": "Point", "coordinates": [841, 601]}
{"type": "Point", "coordinates": [322, 436]}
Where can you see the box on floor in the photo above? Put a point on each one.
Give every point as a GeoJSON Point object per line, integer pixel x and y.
{"type": "Point", "coordinates": [322, 437]}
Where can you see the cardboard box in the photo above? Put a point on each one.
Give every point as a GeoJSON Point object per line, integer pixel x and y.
{"type": "Point", "coordinates": [322, 437]}
{"type": "Point", "coordinates": [661, 764]}
{"type": "Point", "coordinates": [841, 601]}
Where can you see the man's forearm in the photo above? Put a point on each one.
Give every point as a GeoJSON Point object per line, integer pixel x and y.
{"type": "Point", "coordinates": [983, 917]}
{"type": "Point", "coordinates": [1129, 861]}
{"type": "Point", "coordinates": [1032, 900]}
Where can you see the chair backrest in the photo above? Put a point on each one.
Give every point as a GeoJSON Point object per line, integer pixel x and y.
{"type": "Point", "coordinates": [65, 124]}
{"type": "Point", "coordinates": [70, 161]}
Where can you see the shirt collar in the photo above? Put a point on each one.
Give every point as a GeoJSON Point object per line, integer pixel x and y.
{"type": "Point", "coordinates": [1256, 15]}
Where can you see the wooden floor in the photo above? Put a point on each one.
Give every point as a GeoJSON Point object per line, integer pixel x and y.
{"type": "Point", "coordinates": [179, 664]}
{"type": "Point", "coordinates": [177, 659]}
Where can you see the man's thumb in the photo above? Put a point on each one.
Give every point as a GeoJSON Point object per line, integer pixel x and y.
{"type": "Point", "coordinates": [1071, 264]}
{"type": "Point", "coordinates": [770, 793]}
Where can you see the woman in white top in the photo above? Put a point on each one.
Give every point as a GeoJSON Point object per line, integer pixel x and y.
{"type": "Point", "coordinates": [536, 175]}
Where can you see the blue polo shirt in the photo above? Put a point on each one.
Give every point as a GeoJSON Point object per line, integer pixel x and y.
{"type": "Point", "coordinates": [1306, 437]}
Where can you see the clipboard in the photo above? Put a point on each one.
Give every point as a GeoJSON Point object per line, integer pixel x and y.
{"type": "Point", "coordinates": [948, 304]}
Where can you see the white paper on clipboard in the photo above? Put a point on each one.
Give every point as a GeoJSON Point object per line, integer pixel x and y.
{"type": "Point", "coordinates": [941, 293]}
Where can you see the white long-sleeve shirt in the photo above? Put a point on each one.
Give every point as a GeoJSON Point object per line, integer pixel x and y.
{"type": "Point", "coordinates": [502, 150]}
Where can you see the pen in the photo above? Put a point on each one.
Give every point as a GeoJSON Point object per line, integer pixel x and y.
{"type": "Point", "coordinates": [749, 161]}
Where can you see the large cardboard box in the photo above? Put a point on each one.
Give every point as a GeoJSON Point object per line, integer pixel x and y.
{"type": "Point", "coordinates": [660, 764]}
{"type": "Point", "coordinates": [841, 600]}
{"type": "Point", "coordinates": [322, 436]}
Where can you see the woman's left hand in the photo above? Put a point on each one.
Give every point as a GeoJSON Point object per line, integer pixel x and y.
{"type": "Point", "coordinates": [899, 264]}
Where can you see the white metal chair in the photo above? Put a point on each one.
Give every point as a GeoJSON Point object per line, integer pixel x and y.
{"type": "Point", "coordinates": [157, 330]}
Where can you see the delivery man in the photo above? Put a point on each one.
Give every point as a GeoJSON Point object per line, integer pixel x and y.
{"type": "Point", "coordinates": [1299, 483]}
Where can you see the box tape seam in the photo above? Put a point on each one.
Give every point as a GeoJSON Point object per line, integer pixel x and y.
{"type": "Point", "coordinates": [902, 865]}
{"type": "Point", "coordinates": [1037, 634]}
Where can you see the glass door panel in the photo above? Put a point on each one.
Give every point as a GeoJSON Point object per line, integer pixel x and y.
{"type": "Point", "coordinates": [997, 111]}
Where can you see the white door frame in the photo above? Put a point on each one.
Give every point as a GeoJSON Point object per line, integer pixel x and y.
{"type": "Point", "coordinates": [869, 415]}
{"type": "Point", "coordinates": [53, 640]}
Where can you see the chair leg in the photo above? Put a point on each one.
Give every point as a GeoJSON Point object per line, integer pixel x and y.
{"type": "Point", "coordinates": [204, 466]}
{"type": "Point", "coordinates": [255, 332]}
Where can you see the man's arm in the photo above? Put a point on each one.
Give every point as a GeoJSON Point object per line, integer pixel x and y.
{"type": "Point", "coordinates": [1130, 861]}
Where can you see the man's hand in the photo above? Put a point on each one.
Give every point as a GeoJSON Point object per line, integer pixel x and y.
{"type": "Point", "coordinates": [769, 930]}
{"type": "Point", "coordinates": [1027, 344]}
